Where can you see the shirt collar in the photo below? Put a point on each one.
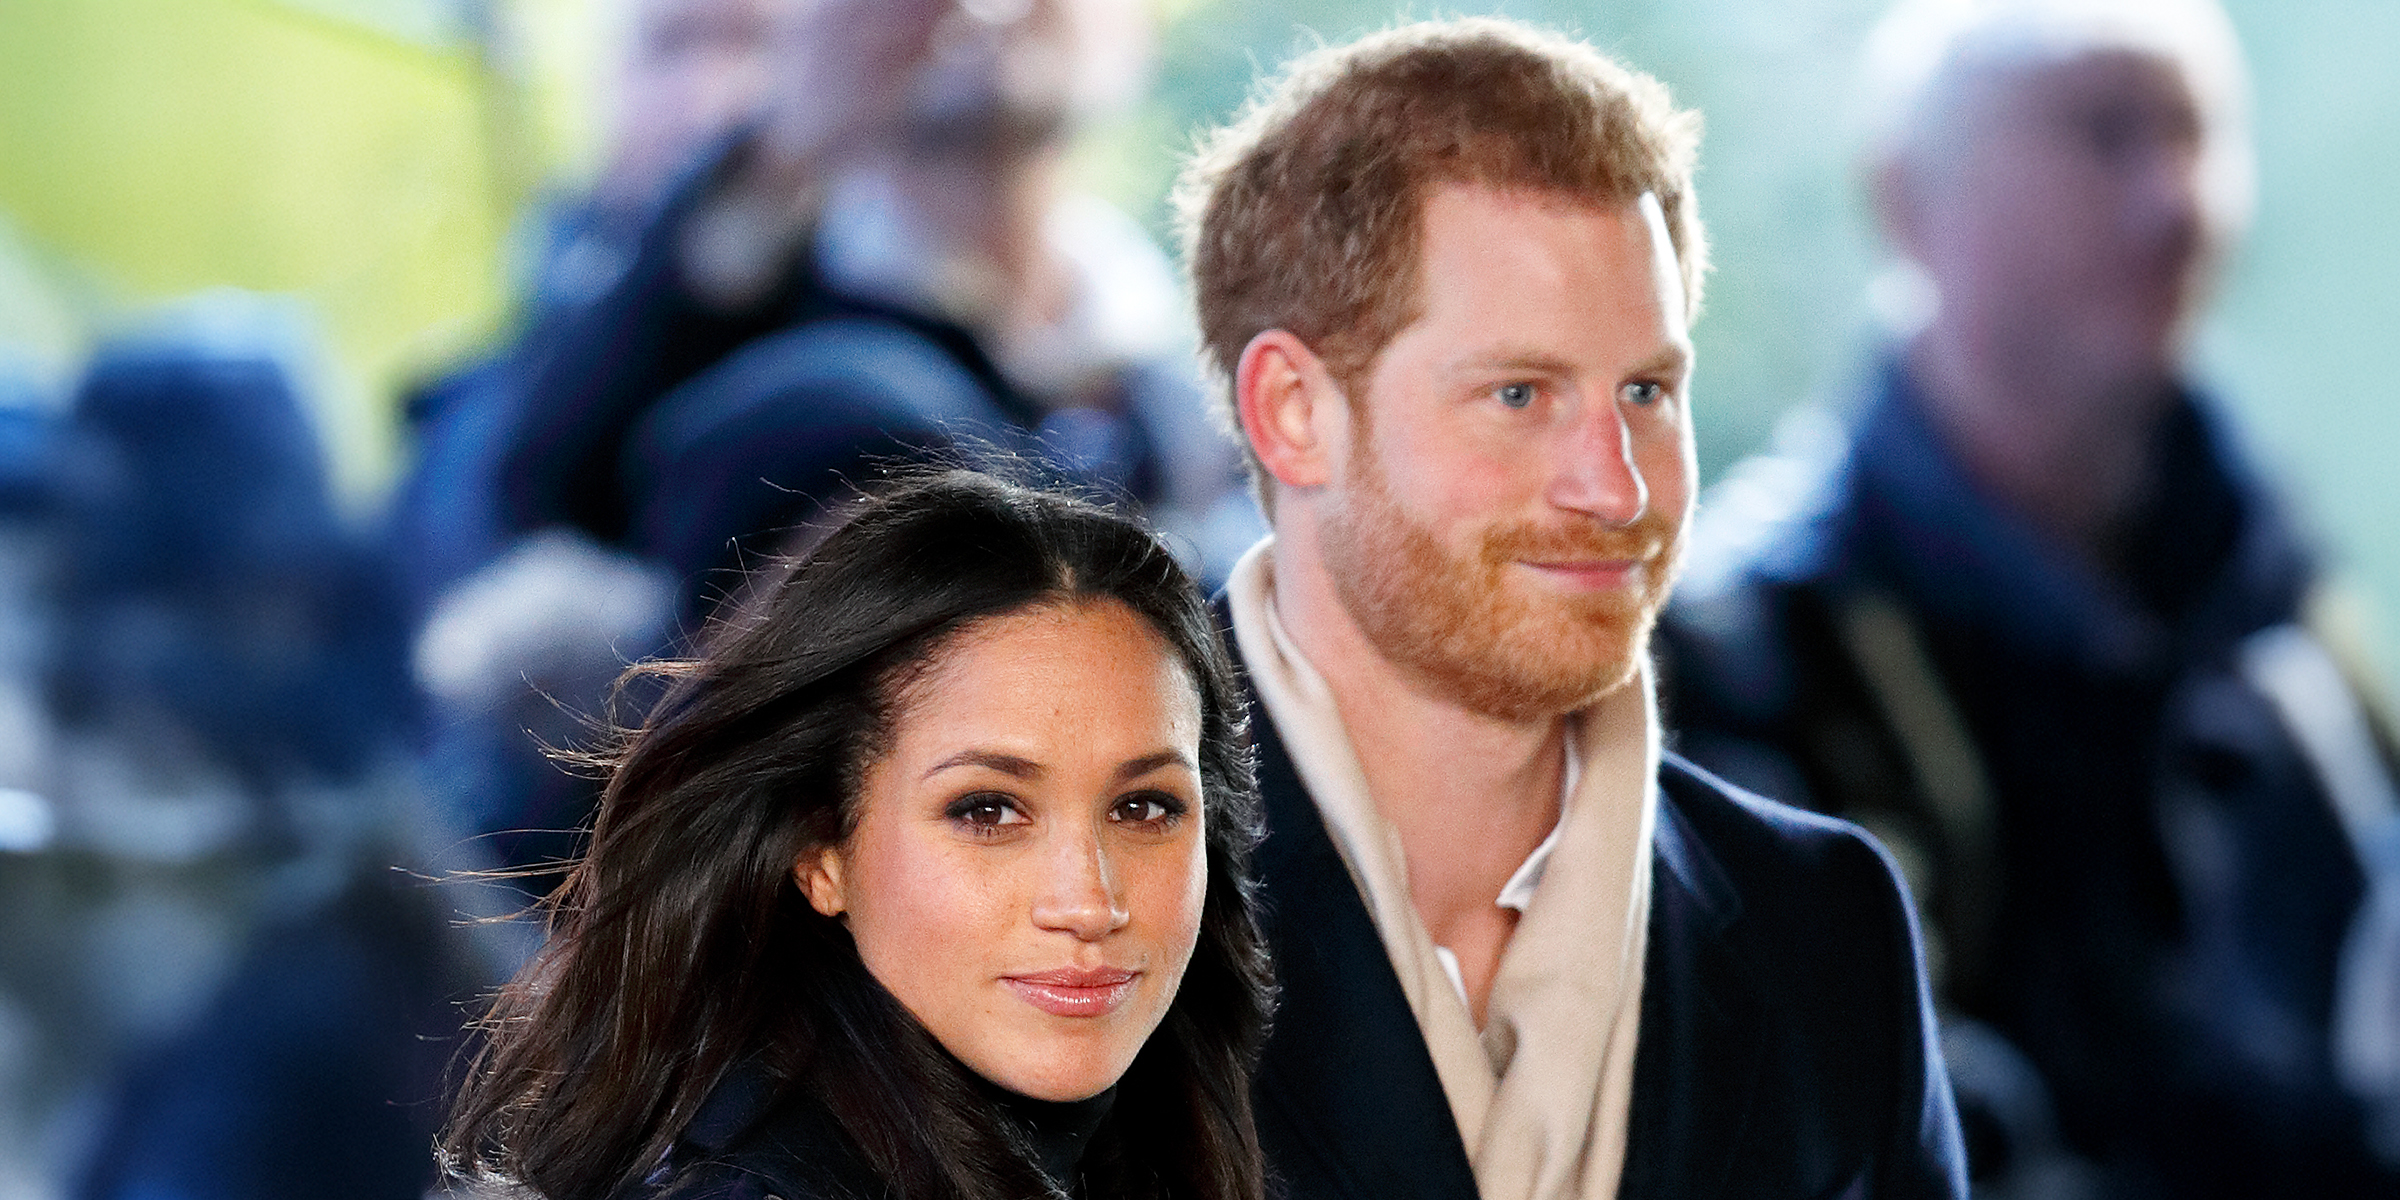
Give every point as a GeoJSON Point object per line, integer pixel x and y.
{"type": "Point", "coordinates": [1517, 894]}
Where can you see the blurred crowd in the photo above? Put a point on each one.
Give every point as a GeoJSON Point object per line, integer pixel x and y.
{"type": "Point", "coordinates": [2028, 610]}
{"type": "Point", "coordinates": [271, 781]}
{"type": "Point", "coordinates": [270, 778]}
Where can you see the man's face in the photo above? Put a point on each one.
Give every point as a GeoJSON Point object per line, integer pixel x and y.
{"type": "Point", "coordinates": [695, 69]}
{"type": "Point", "coordinates": [2067, 232]}
{"type": "Point", "coordinates": [1519, 469]}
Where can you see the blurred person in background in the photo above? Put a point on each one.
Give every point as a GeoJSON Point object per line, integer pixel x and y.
{"type": "Point", "coordinates": [885, 260]}
{"type": "Point", "coordinates": [29, 1075]}
{"type": "Point", "coordinates": [2034, 617]}
{"type": "Point", "coordinates": [519, 636]}
{"type": "Point", "coordinates": [230, 990]}
{"type": "Point", "coordinates": [688, 72]}
{"type": "Point", "coordinates": [691, 71]}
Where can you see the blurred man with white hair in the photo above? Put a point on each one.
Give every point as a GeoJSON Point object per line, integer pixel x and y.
{"type": "Point", "coordinates": [888, 257]}
{"type": "Point", "coordinates": [2034, 618]}
{"type": "Point", "coordinates": [845, 234]}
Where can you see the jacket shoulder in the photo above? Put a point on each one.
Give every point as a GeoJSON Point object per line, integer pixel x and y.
{"type": "Point", "coordinates": [1787, 1043]}
{"type": "Point", "coordinates": [1777, 529]}
{"type": "Point", "coordinates": [1735, 847]}
{"type": "Point", "coordinates": [1813, 906]}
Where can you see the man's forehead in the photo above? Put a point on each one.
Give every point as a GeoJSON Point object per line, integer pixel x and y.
{"type": "Point", "coordinates": [2099, 77]}
{"type": "Point", "coordinates": [1461, 217]}
{"type": "Point", "coordinates": [1469, 192]}
{"type": "Point", "coordinates": [1925, 52]}
{"type": "Point", "coordinates": [1457, 211]}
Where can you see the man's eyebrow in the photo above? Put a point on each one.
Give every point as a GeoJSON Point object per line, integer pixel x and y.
{"type": "Point", "coordinates": [1674, 358]}
{"type": "Point", "coordinates": [1531, 362]}
{"type": "Point", "coordinates": [1669, 359]}
{"type": "Point", "coordinates": [1006, 764]}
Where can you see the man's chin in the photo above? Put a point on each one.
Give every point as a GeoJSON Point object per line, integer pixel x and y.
{"type": "Point", "coordinates": [1535, 678]}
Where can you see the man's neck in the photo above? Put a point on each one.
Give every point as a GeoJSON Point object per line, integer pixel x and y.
{"type": "Point", "coordinates": [1470, 795]}
{"type": "Point", "coordinates": [2071, 455]}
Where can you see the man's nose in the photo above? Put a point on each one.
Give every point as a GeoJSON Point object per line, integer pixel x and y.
{"type": "Point", "coordinates": [2166, 203]}
{"type": "Point", "coordinates": [1594, 472]}
{"type": "Point", "coordinates": [1079, 892]}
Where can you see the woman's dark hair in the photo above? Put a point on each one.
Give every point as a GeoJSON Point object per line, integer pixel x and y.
{"type": "Point", "coordinates": [680, 945]}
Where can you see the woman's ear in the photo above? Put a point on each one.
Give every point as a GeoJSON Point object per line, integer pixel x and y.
{"type": "Point", "coordinates": [819, 874]}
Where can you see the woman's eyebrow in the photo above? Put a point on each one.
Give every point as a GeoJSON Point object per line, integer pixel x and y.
{"type": "Point", "coordinates": [1026, 768]}
{"type": "Point", "coordinates": [1006, 764]}
{"type": "Point", "coordinates": [1151, 762]}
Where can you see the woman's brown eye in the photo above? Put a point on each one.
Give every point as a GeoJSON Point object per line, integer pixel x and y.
{"type": "Point", "coordinates": [986, 809]}
{"type": "Point", "coordinates": [1144, 807]}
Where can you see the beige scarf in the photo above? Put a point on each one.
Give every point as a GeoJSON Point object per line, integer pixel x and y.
{"type": "Point", "coordinates": [1541, 1093]}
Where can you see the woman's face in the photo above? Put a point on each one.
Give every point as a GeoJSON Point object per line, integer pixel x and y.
{"type": "Point", "coordinates": [1027, 868]}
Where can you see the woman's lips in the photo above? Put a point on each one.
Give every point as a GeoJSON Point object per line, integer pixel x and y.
{"type": "Point", "coordinates": [1071, 992]}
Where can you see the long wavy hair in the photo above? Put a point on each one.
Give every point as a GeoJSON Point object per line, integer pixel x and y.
{"type": "Point", "coordinates": [680, 945]}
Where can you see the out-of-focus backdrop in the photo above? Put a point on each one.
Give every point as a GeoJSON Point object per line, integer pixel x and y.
{"type": "Point", "coordinates": [287, 476]}
{"type": "Point", "coordinates": [371, 157]}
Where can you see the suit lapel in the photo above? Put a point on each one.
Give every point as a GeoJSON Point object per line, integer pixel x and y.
{"type": "Point", "coordinates": [1349, 1103]}
{"type": "Point", "coordinates": [1697, 1072]}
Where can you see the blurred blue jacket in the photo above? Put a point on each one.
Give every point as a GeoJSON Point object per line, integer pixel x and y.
{"type": "Point", "coordinates": [215, 618]}
{"type": "Point", "coordinates": [204, 569]}
{"type": "Point", "coordinates": [2131, 869]}
{"type": "Point", "coordinates": [696, 436]}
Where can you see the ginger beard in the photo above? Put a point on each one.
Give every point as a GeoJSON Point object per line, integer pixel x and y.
{"type": "Point", "coordinates": [1466, 626]}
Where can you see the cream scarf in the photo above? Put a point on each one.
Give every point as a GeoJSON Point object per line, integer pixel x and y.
{"type": "Point", "coordinates": [1541, 1094]}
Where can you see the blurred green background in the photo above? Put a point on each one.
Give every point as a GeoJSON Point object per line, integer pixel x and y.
{"type": "Point", "coordinates": [369, 157]}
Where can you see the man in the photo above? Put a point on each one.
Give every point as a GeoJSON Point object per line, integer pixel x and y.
{"type": "Point", "coordinates": [1447, 272]}
{"type": "Point", "coordinates": [889, 259]}
{"type": "Point", "coordinates": [2039, 624]}
{"type": "Point", "coordinates": [885, 261]}
{"type": "Point", "coordinates": [689, 72]}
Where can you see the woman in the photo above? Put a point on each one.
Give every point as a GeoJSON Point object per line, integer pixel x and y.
{"type": "Point", "coordinates": [893, 892]}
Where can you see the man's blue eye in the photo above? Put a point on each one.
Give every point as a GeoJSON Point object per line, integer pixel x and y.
{"type": "Point", "coordinates": [1515, 395]}
{"type": "Point", "coordinates": [1643, 394]}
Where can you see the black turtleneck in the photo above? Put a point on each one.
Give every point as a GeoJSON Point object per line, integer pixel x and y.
{"type": "Point", "coordinates": [752, 1129]}
{"type": "Point", "coordinates": [1056, 1131]}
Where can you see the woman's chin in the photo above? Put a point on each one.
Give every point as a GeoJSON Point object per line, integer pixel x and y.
{"type": "Point", "coordinates": [1065, 1092]}
{"type": "Point", "coordinates": [1059, 1070]}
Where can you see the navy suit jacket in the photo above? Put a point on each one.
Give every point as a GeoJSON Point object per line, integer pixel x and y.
{"type": "Point", "coordinates": [1786, 1044]}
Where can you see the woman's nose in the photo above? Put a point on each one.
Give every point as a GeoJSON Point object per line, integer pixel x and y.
{"type": "Point", "coordinates": [1079, 894]}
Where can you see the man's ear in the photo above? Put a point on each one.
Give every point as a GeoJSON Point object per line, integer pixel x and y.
{"type": "Point", "coordinates": [1290, 408]}
{"type": "Point", "coordinates": [819, 874]}
{"type": "Point", "coordinates": [1892, 187]}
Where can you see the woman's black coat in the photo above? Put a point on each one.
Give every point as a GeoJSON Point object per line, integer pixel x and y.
{"type": "Point", "coordinates": [749, 1144]}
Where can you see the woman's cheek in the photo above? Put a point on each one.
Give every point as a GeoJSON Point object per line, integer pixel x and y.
{"type": "Point", "coordinates": [1184, 885]}
{"type": "Point", "coordinates": [918, 918]}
